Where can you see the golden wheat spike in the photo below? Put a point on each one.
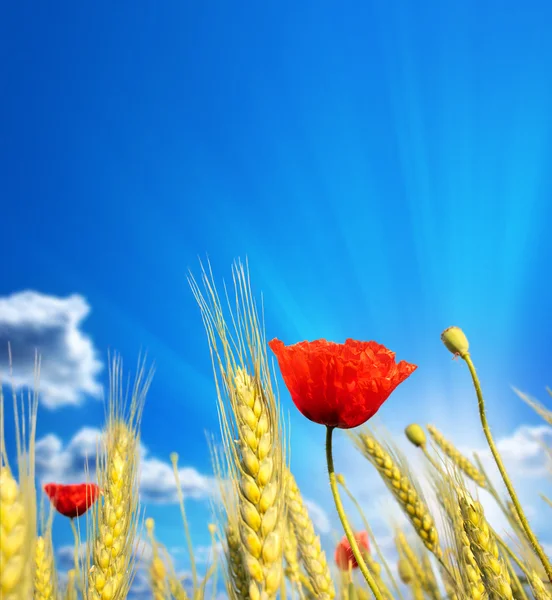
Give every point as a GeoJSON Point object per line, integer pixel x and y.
{"type": "Point", "coordinates": [251, 429]}
{"type": "Point", "coordinates": [402, 488]}
{"type": "Point", "coordinates": [457, 457]}
{"type": "Point", "coordinates": [44, 570]}
{"type": "Point", "coordinates": [310, 551]}
{"type": "Point", "coordinates": [18, 499]}
{"type": "Point", "coordinates": [13, 538]}
{"type": "Point", "coordinates": [238, 580]}
{"type": "Point", "coordinates": [375, 569]}
{"type": "Point", "coordinates": [158, 571]}
{"type": "Point", "coordinates": [70, 588]}
{"type": "Point", "coordinates": [537, 586]}
{"type": "Point", "coordinates": [115, 517]}
{"type": "Point", "coordinates": [539, 408]}
{"type": "Point", "coordinates": [291, 554]}
{"type": "Point", "coordinates": [484, 548]}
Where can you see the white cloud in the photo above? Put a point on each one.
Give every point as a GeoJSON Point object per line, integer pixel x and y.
{"type": "Point", "coordinates": [523, 451]}
{"type": "Point", "coordinates": [31, 322]}
{"type": "Point", "coordinates": [67, 463]}
{"type": "Point", "coordinates": [319, 517]}
{"type": "Point", "coordinates": [204, 554]}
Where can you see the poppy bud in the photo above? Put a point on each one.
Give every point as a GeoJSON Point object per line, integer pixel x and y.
{"type": "Point", "coordinates": [456, 341]}
{"type": "Point", "coordinates": [416, 435]}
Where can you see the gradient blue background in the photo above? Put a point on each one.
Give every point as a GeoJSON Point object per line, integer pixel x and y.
{"type": "Point", "coordinates": [384, 166]}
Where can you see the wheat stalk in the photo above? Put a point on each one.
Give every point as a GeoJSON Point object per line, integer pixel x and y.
{"type": "Point", "coordinates": [115, 516]}
{"type": "Point", "coordinates": [314, 560]}
{"type": "Point", "coordinates": [457, 457]}
{"type": "Point", "coordinates": [402, 488]}
{"type": "Point", "coordinates": [484, 548]}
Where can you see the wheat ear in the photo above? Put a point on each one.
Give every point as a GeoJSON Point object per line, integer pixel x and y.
{"type": "Point", "coordinates": [406, 551]}
{"type": "Point", "coordinates": [13, 546]}
{"type": "Point", "coordinates": [116, 515]}
{"type": "Point", "coordinates": [70, 588]}
{"type": "Point", "coordinates": [431, 585]}
{"type": "Point", "coordinates": [259, 485]}
{"type": "Point", "coordinates": [175, 586]}
{"type": "Point", "coordinates": [468, 571]}
{"type": "Point", "coordinates": [158, 571]}
{"type": "Point", "coordinates": [310, 551]}
{"type": "Point", "coordinates": [249, 415]}
{"type": "Point", "coordinates": [465, 465]}
{"type": "Point", "coordinates": [484, 548]}
{"type": "Point", "coordinates": [539, 590]}
{"type": "Point", "coordinates": [408, 577]}
{"type": "Point", "coordinates": [539, 408]}
{"type": "Point", "coordinates": [238, 580]}
{"type": "Point", "coordinates": [375, 569]}
{"type": "Point", "coordinates": [18, 500]}
{"type": "Point", "coordinates": [402, 488]}
{"type": "Point", "coordinates": [44, 570]}
{"type": "Point", "coordinates": [291, 550]}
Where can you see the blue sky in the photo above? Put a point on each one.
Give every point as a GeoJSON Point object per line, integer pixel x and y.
{"type": "Point", "coordinates": [384, 166]}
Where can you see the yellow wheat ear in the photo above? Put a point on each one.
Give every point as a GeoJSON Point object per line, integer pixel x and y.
{"type": "Point", "coordinates": [71, 588]}
{"type": "Point", "coordinates": [249, 413]}
{"type": "Point", "coordinates": [465, 465]}
{"type": "Point", "coordinates": [158, 571]}
{"type": "Point", "coordinates": [44, 572]}
{"type": "Point", "coordinates": [494, 573]}
{"type": "Point", "coordinates": [116, 515]}
{"type": "Point", "coordinates": [398, 480]}
{"type": "Point", "coordinates": [308, 543]}
{"type": "Point", "coordinates": [18, 498]}
{"type": "Point", "coordinates": [539, 408]}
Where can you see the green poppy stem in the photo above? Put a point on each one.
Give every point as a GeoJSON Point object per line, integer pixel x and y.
{"type": "Point", "coordinates": [341, 512]}
{"type": "Point", "coordinates": [76, 550]}
{"type": "Point", "coordinates": [505, 477]}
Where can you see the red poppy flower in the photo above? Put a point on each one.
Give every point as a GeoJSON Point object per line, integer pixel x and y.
{"type": "Point", "coordinates": [339, 385]}
{"type": "Point", "coordinates": [72, 500]}
{"type": "Point", "coordinates": [344, 555]}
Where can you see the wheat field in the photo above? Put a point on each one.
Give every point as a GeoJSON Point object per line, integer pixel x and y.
{"type": "Point", "coordinates": [446, 547]}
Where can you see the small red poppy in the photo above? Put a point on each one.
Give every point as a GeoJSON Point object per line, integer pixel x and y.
{"type": "Point", "coordinates": [344, 555]}
{"type": "Point", "coordinates": [72, 500]}
{"type": "Point", "coordinates": [339, 385]}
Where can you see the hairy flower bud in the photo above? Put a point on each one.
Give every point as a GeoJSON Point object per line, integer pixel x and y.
{"type": "Point", "coordinates": [456, 341]}
{"type": "Point", "coordinates": [416, 435]}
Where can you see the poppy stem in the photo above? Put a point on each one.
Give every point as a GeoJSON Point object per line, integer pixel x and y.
{"type": "Point", "coordinates": [505, 477]}
{"type": "Point", "coordinates": [344, 522]}
{"type": "Point", "coordinates": [76, 550]}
